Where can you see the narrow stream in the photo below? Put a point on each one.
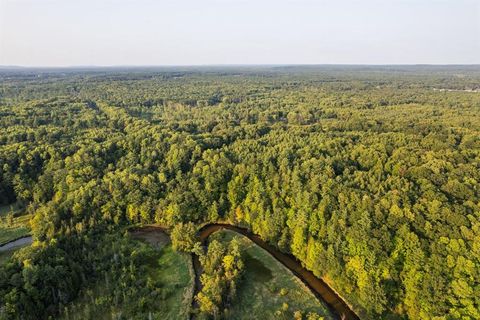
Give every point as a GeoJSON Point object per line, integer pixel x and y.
{"type": "Point", "coordinates": [16, 243]}
{"type": "Point", "coordinates": [319, 288]}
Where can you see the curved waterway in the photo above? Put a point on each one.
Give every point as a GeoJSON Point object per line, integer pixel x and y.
{"type": "Point", "coordinates": [20, 242]}
{"type": "Point", "coordinates": [319, 288]}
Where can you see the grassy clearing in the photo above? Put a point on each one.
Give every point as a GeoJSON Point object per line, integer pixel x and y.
{"type": "Point", "coordinates": [7, 234]}
{"type": "Point", "coordinates": [168, 270]}
{"type": "Point", "coordinates": [17, 227]}
{"type": "Point", "coordinates": [174, 272]}
{"type": "Point", "coordinates": [10, 230]}
{"type": "Point", "coordinates": [268, 290]}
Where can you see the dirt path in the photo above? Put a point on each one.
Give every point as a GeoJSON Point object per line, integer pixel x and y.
{"type": "Point", "coordinates": [156, 236]}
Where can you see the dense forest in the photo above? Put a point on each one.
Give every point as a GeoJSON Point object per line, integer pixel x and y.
{"type": "Point", "coordinates": [368, 175]}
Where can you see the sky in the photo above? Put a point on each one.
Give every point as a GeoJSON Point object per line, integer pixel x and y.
{"type": "Point", "coordinates": [204, 32]}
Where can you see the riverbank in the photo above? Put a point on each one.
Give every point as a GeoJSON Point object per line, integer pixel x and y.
{"type": "Point", "coordinates": [319, 288]}
{"type": "Point", "coordinates": [17, 242]}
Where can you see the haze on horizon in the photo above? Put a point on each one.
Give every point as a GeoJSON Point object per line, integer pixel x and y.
{"type": "Point", "coordinates": [188, 32]}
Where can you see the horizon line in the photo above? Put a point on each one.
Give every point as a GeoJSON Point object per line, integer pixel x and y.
{"type": "Point", "coordinates": [229, 65]}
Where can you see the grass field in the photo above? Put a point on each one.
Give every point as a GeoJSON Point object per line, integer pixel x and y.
{"type": "Point", "coordinates": [170, 269]}
{"type": "Point", "coordinates": [9, 233]}
{"type": "Point", "coordinates": [19, 227]}
{"type": "Point", "coordinates": [268, 290]}
{"type": "Point", "coordinates": [173, 270]}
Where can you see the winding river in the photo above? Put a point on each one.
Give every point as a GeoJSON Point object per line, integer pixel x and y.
{"type": "Point", "coordinates": [319, 288]}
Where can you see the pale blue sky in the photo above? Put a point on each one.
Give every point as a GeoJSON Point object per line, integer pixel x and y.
{"type": "Point", "coordinates": [186, 32]}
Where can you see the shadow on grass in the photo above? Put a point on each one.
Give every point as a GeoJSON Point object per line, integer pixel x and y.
{"type": "Point", "coordinates": [260, 271]}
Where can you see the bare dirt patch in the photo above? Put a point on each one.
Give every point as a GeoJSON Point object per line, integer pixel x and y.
{"type": "Point", "coordinates": [152, 236]}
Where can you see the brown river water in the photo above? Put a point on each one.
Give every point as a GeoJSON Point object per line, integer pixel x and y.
{"type": "Point", "coordinates": [320, 289]}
